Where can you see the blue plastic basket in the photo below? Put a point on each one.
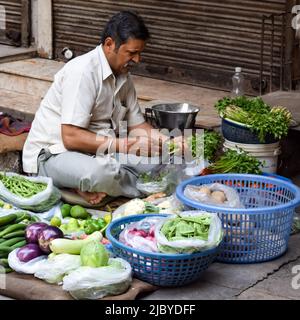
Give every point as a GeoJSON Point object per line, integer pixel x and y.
{"type": "Point", "coordinates": [240, 133]}
{"type": "Point", "coordinates": [261, 231]}
{"type": "Point", "coordinates": [159, 268]}
{"type": "Point", "coordinates": [277, 176]}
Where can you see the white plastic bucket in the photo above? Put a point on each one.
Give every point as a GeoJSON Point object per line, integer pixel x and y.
{"type": "Point", "coordinates": [266, 153]}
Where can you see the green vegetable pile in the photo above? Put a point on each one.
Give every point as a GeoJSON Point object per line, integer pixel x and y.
{"type": "Point", "coordinates": [22, 187]}
{"type": "Point", "coordinates": [211, 143]}
{"type": "Point", "coordinates": [182, 228]}
{"type": "Point", "coordinates": [147, 177]}
{"type": "Point", "coordinates": [233, 161]}
{"type": "Point", "coordinates": [260, 117]}
{"type": "Point", "coordinates": [150, 208]}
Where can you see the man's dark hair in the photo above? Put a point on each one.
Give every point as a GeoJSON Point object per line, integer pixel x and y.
{"type": "Point", "coordinates": [123, 26]}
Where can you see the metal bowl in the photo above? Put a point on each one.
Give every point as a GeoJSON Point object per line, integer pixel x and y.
{"type": "Point", "coordinates": [174, 115]}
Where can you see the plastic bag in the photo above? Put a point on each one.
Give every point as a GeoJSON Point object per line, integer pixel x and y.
{"type": "Point", "coordinates": [40, 202]}
{"type": "Point", "coordinates": [55, 268]}
{"type": "Point", "coordinates": [195, 167]}
{"type": "Point", "coordinates": [170, 205]}
{"type": "Point", "coordinates": [151, 187]}
{"type": "Point", "coordinates": [190, 245]}
{"type": "Point", "coordinates": [140, 235]}
{"type": "Point", "coordinates": [163, 178]}
{"type": "Point", "coordinates": [29, 267]}
{"type": "Point", "coordinates": [232, 199]}
{"type": "Point", "coordinates": [95, 283]}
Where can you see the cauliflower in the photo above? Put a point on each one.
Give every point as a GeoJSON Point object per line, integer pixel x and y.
{"type": "Point", "coordinates": [135, 206]}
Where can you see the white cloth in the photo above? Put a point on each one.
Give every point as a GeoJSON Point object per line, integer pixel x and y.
{"type": "Point", "coordinates": [85, 93]}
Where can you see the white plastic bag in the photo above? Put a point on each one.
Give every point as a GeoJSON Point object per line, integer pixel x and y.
{"type": "Point", "coordinates": [169, 205]}
{"type": "Point", "coordinates": [55, 268]}
{"type": "Point", "coordinates": [232, 197]}
{"type": "Point", "coordinates": [195, 167]}
{"type": "Point", "coordinates": [140, 235]}
{"type": "Point", "coordinates": [190, 245]}
{"type": "Point", "coordinates": [40, 202]}
{"type": "Point", "coordinates": [96, 283]}
{"type": "Point", "coordinates": [29, 267]}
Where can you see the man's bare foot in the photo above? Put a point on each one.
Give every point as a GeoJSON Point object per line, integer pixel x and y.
{"type": "Point", "coordinates": [91, 197]}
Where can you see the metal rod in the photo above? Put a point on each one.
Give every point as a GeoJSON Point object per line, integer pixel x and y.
{"type": "Point", "coordinates": [281, 51]}
{"type": "Point", "coordinates": [261, 54]}
{"type": "Point", "coordinates": [271, 52]}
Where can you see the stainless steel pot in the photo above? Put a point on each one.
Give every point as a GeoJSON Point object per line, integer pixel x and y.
{"type": "Point", "coordinates": [173, 115]}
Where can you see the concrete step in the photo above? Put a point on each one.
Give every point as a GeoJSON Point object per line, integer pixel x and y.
{"type": "Point", "coordinates": [30, 76]}
{"type": "Point", "coordinates": [10, 53]}
{"type": "Point", "coordinates": [18, 104]}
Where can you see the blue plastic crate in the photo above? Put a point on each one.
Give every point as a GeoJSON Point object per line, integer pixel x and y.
{"type": "Point", "coordinates": [158, 268]}
{"type": "Point", "coordinates": [261, 231]}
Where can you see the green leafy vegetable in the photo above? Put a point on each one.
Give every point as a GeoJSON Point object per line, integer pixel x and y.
{"type": "Point", "coordinates": [211, 143]}
{"type": "Point", "coordinates": [236, 162]}
{"type": "Point", "coordinates": [151, 208]}
{"type": "Point", "coordinates": [260, 117]}
{"type": "Point", "coordinates": [181, 228]}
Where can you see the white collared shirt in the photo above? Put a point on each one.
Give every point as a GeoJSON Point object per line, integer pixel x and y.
{"type": "Point", "coordinates": [85, 93]}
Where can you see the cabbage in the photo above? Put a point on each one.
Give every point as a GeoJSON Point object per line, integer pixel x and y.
{"type": "Point", "coordinates": [93, 254]}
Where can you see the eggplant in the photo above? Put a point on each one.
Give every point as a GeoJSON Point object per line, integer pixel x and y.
{"type": "Point", "coordinates": [32, 231]}
{"type": "Point", "coordinates": [29, 252]}
{"type": "Point", "coordinates": [46, 235]}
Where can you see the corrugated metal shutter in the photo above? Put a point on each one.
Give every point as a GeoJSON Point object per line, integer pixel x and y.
{"type": "Point", "coordinates": [192, 41]}
{"type": "Point", "coordinates": [10, 18]}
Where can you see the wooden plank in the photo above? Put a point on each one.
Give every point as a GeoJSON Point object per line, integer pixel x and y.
{"type": "Point", "coordinates": [27, 287]}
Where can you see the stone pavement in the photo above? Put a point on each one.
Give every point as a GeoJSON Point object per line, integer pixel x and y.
{"type": "Point", "coordinates": [261, 281]}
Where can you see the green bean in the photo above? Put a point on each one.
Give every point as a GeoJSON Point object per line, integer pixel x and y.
{"type": "Point", "coordinates": [21, 186]}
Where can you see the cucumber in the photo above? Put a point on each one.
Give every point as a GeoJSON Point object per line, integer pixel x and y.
{"type": "Point", "coordinates": [6, 270]}
{"type": "Point", "coordinates": [7, 219]}
{"type": "Point", "coordinates": [35, 219]}
{"type": "Point", "coordinates": [5, 249]}
{"type": "Point", "coordinates": [23, 216]}
{"type": "Point", "coordinates": [2, 228]}
{"type": "Point", "coordinates": [2, 240]}
{"type": "Point", "coordinates": [19, 233]}
{"type": "Point", "coordinates": [11, 228]}
{"type": "Point", "coordinates": [12, 241]}
{"type": "Point", "coordinates": [4, 262]}
{"type": "Point", "coordinates": [18, 245]}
